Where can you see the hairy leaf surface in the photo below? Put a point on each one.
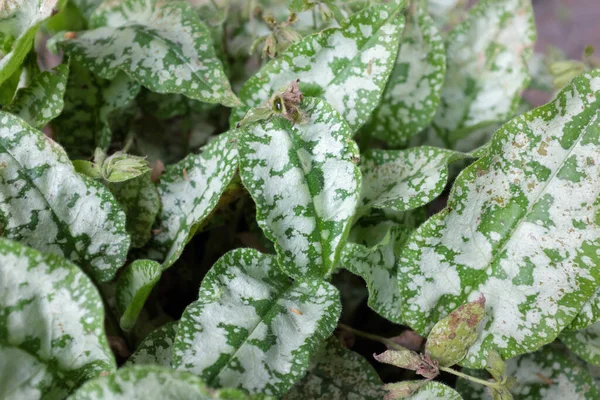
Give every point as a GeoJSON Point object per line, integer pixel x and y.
{"type": "Point", "coordinates": [45, 204]}
{"type": "Point", "coordinates": [513, 233]}
{"type": "Point", "coordinates": [51, 325]}
{"type": "Point", "coordinates": [305, 183]}
{"type": "Point", "coordinates": [253, 328]}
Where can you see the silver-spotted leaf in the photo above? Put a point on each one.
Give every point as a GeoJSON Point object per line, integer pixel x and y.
{"type": "Point", "coordinates": [585, 343]}
{"type": "Point", "coordinates": [401, 358]}
{"type": "Point", "coordinates": [513, 233]}
{"type": "Point", "coordinates": [444, 12]}
{"type": "Point", "coordinates": [19, 22]}
{"type": "Point", "coordinates": [412, 93]}
{"type": "Point", "coordinates": [156, 348]}
{"type": "Point", "coordinates": [347, 66]}
{"type": "Point", "coordinates": [337, 374]}
{"type": "Point", "coordinates": [377, 266]}
{"type": "Point", "coordinates": [143, 382]}
{"type": "Point", "coordinates": [420, 390]}
{"type": "Point", "coordinates": [402, 180]}
{"type": "Point", "coordinates": [51, 325]}
{"type": "Point", "coordinates": [45, 204]}
{"type": "Point", "coordinates": [189, 191]}
{"type": "Point", "coordinates": [139, 199]}
{"type": "Point", "coordinates": [548, 374]}
{"type": "Point", "coordinates": [41, 100]}
{"type": "Point", "coordinates": [162, 45]}
{"type": "Point", "coordinates": [487, 68]}
{"type": "Point", "coordinates": [451, 337]}
{"type": "Point", "coordinates": [133, 287]}
{"type": "Point", "coordinates": [251, 327]}
{"type": "Point", "coordinates": [589, 313]}
{"type": "Point", "coordinates": [305, 183]}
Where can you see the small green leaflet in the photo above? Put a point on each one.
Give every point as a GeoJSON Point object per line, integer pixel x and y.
{"type": "Point", "coordinates": [337, 374]}
{"type": "Point", "coordinates": [133, 287]}
{"type": "Point", "coordinates": [589, 313]}
{"type": "Point", "coordinates": [377, 266]}
{"type": "Point", "coordinates": [156, 348]}
{"type": "Point", "coordinates": [486, 68]}
{"type": "Point", "coordinates": [139, 199]}
{"type": "Point", "coordinates": [189, 191]}
{"type": "Point", "coordinates": [252, 328]}
{"type": "Point", "coordinates": [585, 343]}
{"type": "Point", "coordinates": [89, 103]}
{"type": "Point", "coordinates": [305, 184]}
{"type": "Point", "coordinates": [548, 374]}
{"type": "Point", "coordinates": [45, 204]}
{"type": "Point", "coordinates": [51, 325]}
{"type": "Point", "coordinates": [20, 19]}
{"type": "Point", "coordinates": [519, 192]}
{"type": "Point", "coordinates": [162, 45]}
{"type": "Point", "coordinates": [347, 66]}
{"type": "Point", "coordinates": [412, 93]}
{"type": "Point", "coordinates": [42, 99]}
{"type": "Point", "coordinates": [139, 382]}
{"type": "Point", "coordinates": [402, 180]}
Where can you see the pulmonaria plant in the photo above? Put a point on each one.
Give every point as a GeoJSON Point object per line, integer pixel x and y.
{"type": "Point", "coordinates": [181, 219]}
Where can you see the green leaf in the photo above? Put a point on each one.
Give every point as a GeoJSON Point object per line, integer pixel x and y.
{"type": "Point", "coordinates": [589, 313]}
{"type": "Point", "coordinates": [189, 191]}
{"type": "Point", "coordinates": [252, 328]}
{"type": "Point", "coordinates": [347, 66]}
{"type": "Point", "coordinates": [412, 93]}
{"type": "Point", "coordinates": [87, 168]}
{"type": "Point", "coordinates": [20, 20]}
{"type": "Point", "coordinates": [156, 348]}
{"type": "Point", "coordinates": [162, 45]}
{"type": "Point", "coordinates": [452, 336]}
{"type": "Point", "coordinates": [86, 7]}
{"type": "Point", "coordinates": [585, 343]}
{"type": "Point", "coordinates": [420, 390]}
{"type": "Point", "coordinates": [139, 382]}
{"type": "Point", "coordinates": [519, 192]}
{"type": "Point", "coordinates": [402, 180]}
{"type": "Point", "coordinates": [42, 99]}
{"type": "Point", "coordinates": [337, 373]}
{"type": "Point", "coordinates": [51, 325]}
{"type": "Point", "coordinates": [377, 266]}
{"type": "Point", "coordinates": [305, 185]}
{"type": "Point", "coordinates": [546, 374]}
{"type": "Point", "coordinates": [139, 199]}
{"type": "Point", "coordinates": [45, 204]}
{"type": "Point", "coordinates": [133, 287]}
{"type": "Point", "coordinates": [487, 69]}
{"type": "Point", "coordinates": [89, 103]}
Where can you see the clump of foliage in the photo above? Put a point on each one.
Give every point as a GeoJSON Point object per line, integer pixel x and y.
{"type": "Point", "coordinates": [247, 199]}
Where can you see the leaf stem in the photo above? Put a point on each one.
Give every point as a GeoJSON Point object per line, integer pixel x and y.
{"type": "Point", "coordinates": [496, 385]}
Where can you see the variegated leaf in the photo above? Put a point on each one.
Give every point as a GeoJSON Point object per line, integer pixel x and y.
{"type": "Point", "coordinates": [89, 103]}
{"type": "Point", "coordinates": [589, 313]}
{"type": "Point", "coordinates": [376, 264]}
{"type": "Point", "coordinates": [189, 191]}
{"type": "Point", "coordinates": [420, 390]}
{"type": "Point", "coordinates": [42, 99]}
{"type": "Point", "coordinates": [486, 67]}
{"type": "Point", "coordinates": [162, 45]}
{"type": "Point", "coordinates": [513, 233]}
{"type": "Point", "coordinates": [444, 12]}
{"type": "Point", "coordinates": [139, 199]}
{"type": "Point", "coordinates": [19, 22]}
{"type": "Point", "coordinates": [402, 180]}
{"type": "Point", "coordinates": [156, 348]}
{"type": "Point", "coordinates": [548, 374]}
{"type": "Point", "coordinates": [45, 204]}
{"type": "Point", "coordinates": [412, 93]}
{"type": "Point", "coordinates": [87, 7]}
{"type": "Point", "coordinates": [51, 325]}
{"type": "Point", "coordinates": [143, 382]}
{"type": "Point", "coordinates": [133, 287]}
{"type": "Point", "coordinates": [337, 374]}
{"type": "Point", "coordinates": [585, 343]}
{"type": "Point", "coordinates": [347, 66]}
{"type": "Point", "coordinates": [305, 183]}
{"type": "Point", "coordinates": [252, 328]}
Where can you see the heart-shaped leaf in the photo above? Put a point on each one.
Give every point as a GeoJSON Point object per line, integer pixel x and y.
{"type": "Point", "coordinates": [253, 328]}
{"type": "Point", "coordinates": [51, 325]}
{"type": "Point", "coordinates": [156, 348]}
{"type": "Point", "coordinates": [519, 192]}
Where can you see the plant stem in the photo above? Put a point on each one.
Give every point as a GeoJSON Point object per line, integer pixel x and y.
{"type": "Point", "coordinates": [449, 370]}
